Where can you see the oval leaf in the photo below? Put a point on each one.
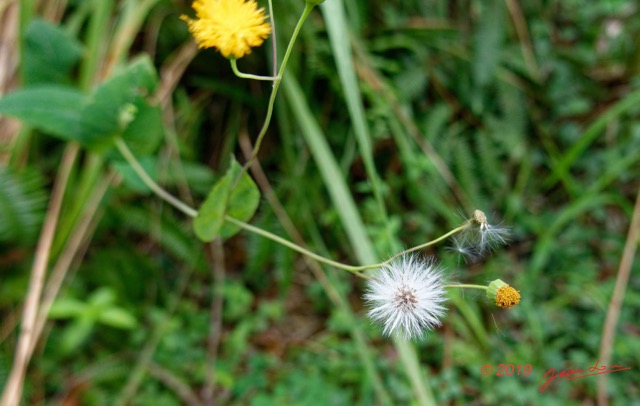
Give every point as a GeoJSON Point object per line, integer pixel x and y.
{"type": "Point", "coordinates": [53, 109]}
{"type": "Point", "coordinates": [118, 318]}
{"type": "Point", "coordinates": [241, 203]}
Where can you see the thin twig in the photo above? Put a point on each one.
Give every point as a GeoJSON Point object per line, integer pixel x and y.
{"type": "Point", "coordinates": [613, 313]}
{"type": "Point", "coordinates": [13, 389]}
{"type": "Point", "coordinates": [79, 236]}
{"type": "Point", "coordinates": [172, 71]}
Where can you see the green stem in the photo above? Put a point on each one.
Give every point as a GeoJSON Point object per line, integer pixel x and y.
{"type": "Point", "coordinates": [276, 85]}
{"type": "Point", "coordinates": [234, 68]}
{"type": "Point", "coordinates": [467, 286]}
{"type": "Point", "coordinates": [295, 247]}
{"type": "Point", "coordinates": [427, 244]}
{"type": "Point", "coordinates": [169, 198]}
{"type": "Point", "coordinates": [191, 212]}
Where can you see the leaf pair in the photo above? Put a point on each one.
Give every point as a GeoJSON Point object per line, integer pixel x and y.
{"type": "Point", "coordinates": [100, 308]}
{"type": "Point", "coordinates": [239, 201]}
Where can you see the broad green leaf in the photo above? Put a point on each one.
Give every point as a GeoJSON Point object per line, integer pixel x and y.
{"type": "Point", "coordinates": [210, 218]}
{"type": "Point", "coordinates": [118, 318]}
{"type": "Point", "coordinates": [115, 103]}
{"type": "Point", "coordinates": [66, 308]}
{"type": "Point", "coordinates": [241, 203]}
{"type": "Point", "coordinates": [94, 120]}
{"type": "Point", "coordinates": [49, 53]}
{"type": "Point", "coordinates": [146, 132]}
{"type": "Point", "coordinates": [53, 109]}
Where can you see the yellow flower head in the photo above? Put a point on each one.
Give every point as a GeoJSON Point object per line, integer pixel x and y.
{"type": "Point", "coordinates": [231, 26]}
{"type": "Point", "coordinates": [502, 294]}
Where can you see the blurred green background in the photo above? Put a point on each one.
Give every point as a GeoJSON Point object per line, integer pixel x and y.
{"type": "Point", "coordinates": [423, 110]}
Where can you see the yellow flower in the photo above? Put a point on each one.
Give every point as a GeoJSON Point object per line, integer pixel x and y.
{"type": "Point", "coordinates": [502, 294]}
{"type": "Point", "coordinates": [231, 26]}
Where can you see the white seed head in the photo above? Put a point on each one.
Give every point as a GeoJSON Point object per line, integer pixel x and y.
{"type": "Point", "coordinates": [405, 297]}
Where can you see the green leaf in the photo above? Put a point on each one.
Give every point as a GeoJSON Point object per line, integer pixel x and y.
{"type": "Point", "coordinates": [116, 102]}
{"type": "Point", "coordinates": [102, 298]}
{"type": "Point", "coordinates": [22, 205]}
{"type": "Point", "coordinates": [49, 53]}
{"type": "Point", "coordinates": [118, 318]}
{"type": "Point", "coordinates": [66, 308]}
{"type": "Point", "coordinates": [241, 203]}
{"type": "Point", "coordinates": [53, 109]}
{"type": "Point", "coordinates": [75, 335]}
{"type": "Point", "coordinates": [94, 120]}
{"type": "Point", "coordinates": [146, 132]}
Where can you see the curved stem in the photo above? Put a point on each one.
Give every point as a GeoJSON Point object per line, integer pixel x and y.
{"type": "Point", "coordinates": [234, 68]}
{"type": "Point", "coordinates": [467, 286]}
{"type": "Point", "coordinates": [427, 244]}
{"type": "Point", "coordinates": [295, 247]}
{"type": "Point", "coordinates": [168, 197]}
{"type": "Point", "coordinates": [276, 84]}
{"type": "Point", "coordinates": [191, 212]}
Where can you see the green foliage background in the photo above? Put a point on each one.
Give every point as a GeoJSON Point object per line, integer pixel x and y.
{"type": "Point", "coordinates": [528, 111]}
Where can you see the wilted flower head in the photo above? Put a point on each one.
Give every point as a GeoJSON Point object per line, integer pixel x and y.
{"type": "Point", "coordinates": [231, 26]}
{"type": "Point", "coordinates": [479, 237]}
{"type": "Point", "coordinates": [406, 296]}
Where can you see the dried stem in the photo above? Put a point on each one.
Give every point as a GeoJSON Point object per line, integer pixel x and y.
{"type": "Point", "coordinates": [79, 236]}
{"type": "Point", "coordinates": [13, 389]}
{"type": "Point", "coordinates": [613, 313]}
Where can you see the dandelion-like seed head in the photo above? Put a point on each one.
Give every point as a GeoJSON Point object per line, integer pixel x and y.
{"type": "Point", "coordinates": [479, 237]}
{"type": "Point", "coordinates": [231, 26]}
{"type": "Point", "coordinates": [405, 297]}
{"type": "Point", "coordinates": [502, 294]}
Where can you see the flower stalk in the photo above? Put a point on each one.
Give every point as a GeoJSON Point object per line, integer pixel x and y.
{"type": "Point", "coordinates": [191, 212]}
